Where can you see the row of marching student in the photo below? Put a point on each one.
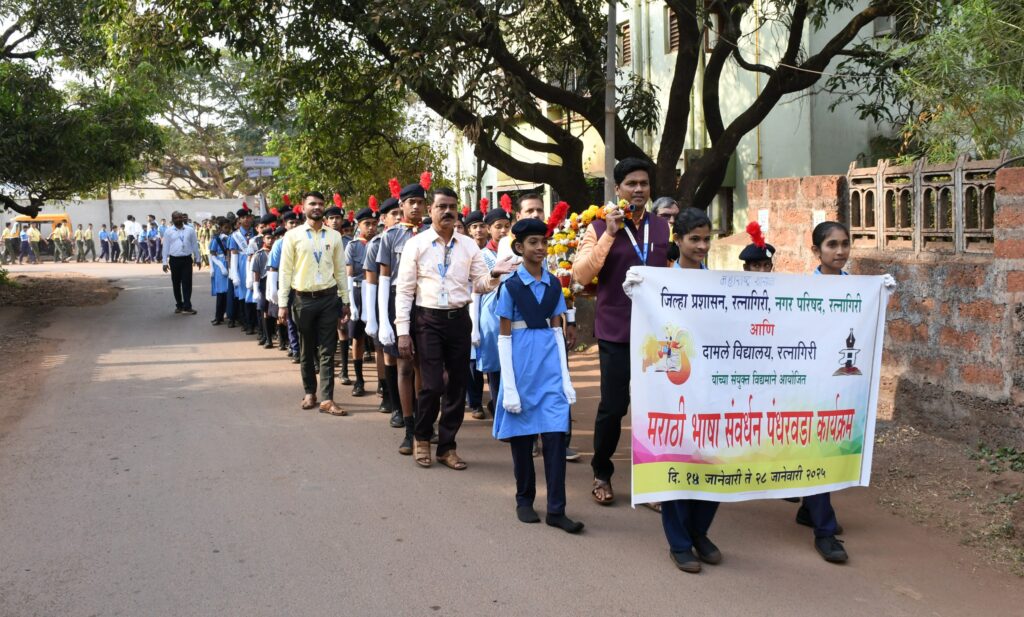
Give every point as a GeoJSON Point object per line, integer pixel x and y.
{"type": "Point", "coordinates": [450, 299]}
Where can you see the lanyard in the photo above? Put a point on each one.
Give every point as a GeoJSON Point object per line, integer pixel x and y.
{"type": "Point", "coordinates": [442, 267]}
{"type": "Point", "coordinates": [314, 245]}
{"type": "Point", "coordinates": [647, 244]}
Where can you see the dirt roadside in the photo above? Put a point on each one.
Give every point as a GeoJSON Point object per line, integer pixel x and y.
{"type": "Point", "coordinates": [25, 308]}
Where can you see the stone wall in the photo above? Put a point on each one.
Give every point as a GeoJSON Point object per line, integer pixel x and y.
{"type": "Point", "coordinates": [954, 348]}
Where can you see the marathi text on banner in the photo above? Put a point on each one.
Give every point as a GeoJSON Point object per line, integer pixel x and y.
{"type": "Point", "coordinates": [751, 385]}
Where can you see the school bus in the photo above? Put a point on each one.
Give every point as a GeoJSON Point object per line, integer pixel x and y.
{"type": "Point", "coordinates": [46, 224]}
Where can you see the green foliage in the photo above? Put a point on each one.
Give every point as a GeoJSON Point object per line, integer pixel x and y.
{"type": "Point", "coordinates": [998, 458]}
{"type": "Point", "coordinates": [56, 144]}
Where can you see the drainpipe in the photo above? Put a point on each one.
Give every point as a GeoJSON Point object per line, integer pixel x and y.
{"type": "Point", "coordinates": [757, 86]}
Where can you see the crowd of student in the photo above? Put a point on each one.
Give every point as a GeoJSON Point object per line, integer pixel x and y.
{"type": "Point", "coordinates": [444, 300]}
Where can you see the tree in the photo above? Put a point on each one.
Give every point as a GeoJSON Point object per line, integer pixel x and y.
{"type": "Point", "coordinates": [486, 67]}
{"type": "Point", "coordinates": [56, 145]}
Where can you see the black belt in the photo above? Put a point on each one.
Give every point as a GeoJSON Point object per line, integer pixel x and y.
{"type": "Point", "coordinates": [454, 313]}
{"type": "Point", "coordinates": [317, 294]}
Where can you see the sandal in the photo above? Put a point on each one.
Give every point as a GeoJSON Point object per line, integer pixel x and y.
{"type": "Point", "coordinates": [451, 460]}
{"type": "Point", "coordinates": [602, 492]}
{"type": "Point", "coordinates": [309, 402]}
{"type": "Point", "coordinates": [421, 453]}
{"type": "Point", "coordinates": [332, 408]}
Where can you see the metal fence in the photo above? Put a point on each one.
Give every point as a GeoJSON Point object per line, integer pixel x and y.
{"type": "Point", "coordinates": [945, 207]}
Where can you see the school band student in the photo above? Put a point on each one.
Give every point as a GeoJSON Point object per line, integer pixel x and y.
{"type": "Point", "coordinates": [355, 257]}
{"type": "Point", "coordinates": [477, 230]}
{"type": "Point", "coordinates": [387, 365]}
{"type": "Point", "coordinates": [220, 285]}
{"type": "Point", "coordinates": [535, 390]}
{"type": "Point", "coordinates": [498, 223]}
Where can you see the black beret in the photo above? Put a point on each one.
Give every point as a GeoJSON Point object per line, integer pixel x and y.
{"type": "Point", "coordinates": [526, 228]}
{"type": "Point", "coordinates": [389, 204]}
{"type": "Point", "coordinates": [473, 217]}
{"type": "Point", "coordinates": [243, 212]}
{"type": "Point", "coordinates": [267, 219]}
{"type": "Point", "coordinates": [289, 216]}
{"type": "Point", "coordinates": [495, 215]}
{"type": "Point", "coordinates": [268, 232]}
{"type": "Point", "coordinates": [753, 252]}
{"type": "Point", "coordinates": [334, 211]}
{"type": "Point", "coordinates": [280, 231]}
{"type": "Point", "coordinates": [365, 213]}
{"type": "Point", "coordinates": [346, 224]}
{"type": "Point", "coordinates": [412, 190]}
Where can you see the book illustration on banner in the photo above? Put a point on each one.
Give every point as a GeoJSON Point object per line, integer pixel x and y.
{"type": "Point", "coordinates": [669, 354]}
{"type": "Point", "coordinates": [847, 358]}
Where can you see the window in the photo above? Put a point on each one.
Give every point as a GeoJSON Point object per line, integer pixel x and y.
{"type": "Point", "coordinates": [625, 45]}
{"type": "Point", "coordinates": [671, 31]}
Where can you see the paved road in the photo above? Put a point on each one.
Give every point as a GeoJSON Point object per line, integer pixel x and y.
{"type": "Point", "coordinates": [166, 469]}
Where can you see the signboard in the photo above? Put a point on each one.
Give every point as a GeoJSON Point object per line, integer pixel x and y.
{"type": "Point", "coordinates": [261, 161]}
{"type": "Point", "coordinates": [752, 385]}
{"type": "Point", "coordinates": [253, 173]}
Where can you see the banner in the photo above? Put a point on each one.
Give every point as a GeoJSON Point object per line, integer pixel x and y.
{"type": "Point", "coordinates": [748, 385]}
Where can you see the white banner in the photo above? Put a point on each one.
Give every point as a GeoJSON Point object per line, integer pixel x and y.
{"type": "Point", "coordinates": [748, 385]}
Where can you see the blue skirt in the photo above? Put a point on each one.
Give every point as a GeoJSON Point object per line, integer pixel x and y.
{"type": "Point", "coordinates": [539, 383]}
{"type": "Point", "coordinates": [489, 324]}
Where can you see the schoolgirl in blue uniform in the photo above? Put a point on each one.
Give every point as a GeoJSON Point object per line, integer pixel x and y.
{"type": "Point", "coordinates": [220, 285]}
{"type": "Point", "coordinates": [830, 243]}
{"type": "Point", "coordinates": [535, 391]}
{"type": "Point", "coordinates": [686, 521]}
{"type": "Point", "coordinates": [498, 222]}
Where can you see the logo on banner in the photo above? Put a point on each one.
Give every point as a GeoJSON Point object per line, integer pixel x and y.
{"type": "Point", "coordinates": [847, 358]}
{"type": "Point", "coordinates": [669, 353]}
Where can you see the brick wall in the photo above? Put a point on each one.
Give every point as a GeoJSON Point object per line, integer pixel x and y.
{"type": "Point", "coordinates": [954, 347]}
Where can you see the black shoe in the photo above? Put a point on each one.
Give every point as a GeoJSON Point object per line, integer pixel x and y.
{"type": "Point", "coordinates": [803, 517]}
{"type": "Point", "coordinates": [526, 514]}
{"type": "Point", "coordinates": [359, 389]}
{"type": "Point", "coordinates": [290, 354]}
{"type": "Point", "coordinates": [831, 549]}
{"type": "Point", "coordinates": [368, 357]}
{"type": "Point", "coordinates": [685, 561]}
{"type": "Point", "coordinates": [477, 413]}
{"type": "Point", "coordinates": [295, 360]}
{"type": "Point", "coordinates": [406, 447]}
{"type": "Point", "coordinates": [177, 310]}
{"type": "Point", "coordinates": [706, 550]}
{"type": "Point", "coordinates": [232, 323]}
{"type": "Point", "coordinates": [564, 523]}
{"type": "Point", "coordinates": [268, 346]}
{"type": "Point", "coordinates": [384, 407]}
{"type": "Point", "coordinates": [216, 322]}
{"type": "Point", "coordinates": [188, 311]}
{"type": "Point", "coordinates": [397, 421]}
{"type": "Point", "coordinates": [345, 381]}
{"type": "Point", "coordinates": [250, 331]}
{"type": "Point", "coordinates": [284, 348]}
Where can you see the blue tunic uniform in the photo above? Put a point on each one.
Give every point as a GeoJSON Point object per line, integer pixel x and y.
{"type": "Point", "coordinates": [219, 282]}
{"type": "Point", "coordinates": [487, 353]}
{"type": "Point", "coordinates": [239, 241]}
{"type": "Point", "coordinates": [537, 368]}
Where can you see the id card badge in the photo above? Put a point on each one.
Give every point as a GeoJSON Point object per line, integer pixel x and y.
{"type": "Point", "coordinates": [442, 299]}
{"type": "Point", "coordinates": [319, 278]}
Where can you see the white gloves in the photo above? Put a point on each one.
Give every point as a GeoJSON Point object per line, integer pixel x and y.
{"type": "Point", "coordinates": [633, 278]}
{"type": "Point", "coordinates": [567, 389]}
{"type": "Point", "coordinates": [233, 269]}
{"type": "Point", "coordinates": [474, 315]}
{"type": "Point", "coordinates": [384, 331]}
{"type": "Point", "coordinates": [354, 306]}
{"type": "Point", "coordinates": [272, 286]}
{"type": "Point", "coordinates": [256, 295]}
{"type": "Point", "coordinates": [370, 308]}
{"type": "Point", "coordinates": [888, 281]}
{"type": "Point", "coordinates": [510, 395]}
{"type": "Point", "coordinates": [248, 278]}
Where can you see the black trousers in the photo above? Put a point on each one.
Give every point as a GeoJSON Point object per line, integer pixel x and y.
{"type": "Point", "coordinates": [221, 306]}
{"type": "Point", "coordinates": [614, 360]}
{"type": "Point", "coordinates": [181, 281]}
{"type": "Point", "coordinates": [553, 446]}
{"type": "Point", "coordinates": [317, 322]}
{"type": "Point", "coordinates": [442, 345]}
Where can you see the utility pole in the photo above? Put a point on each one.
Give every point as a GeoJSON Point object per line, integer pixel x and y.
{"type": "Point", "coordinates": [609, 107]}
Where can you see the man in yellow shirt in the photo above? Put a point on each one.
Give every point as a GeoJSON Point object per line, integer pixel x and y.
{"type": "Point", "coordinates": [57, 237]}
{"type": "Point", "coordinates": [89, 243]}
{"type": "Point", "coordinates": [10, 236]}
{"type": "Point", "coordinates": [79, 244]}
{"type": "Point", "coordinates": [34, 238]}
{"type": "Point", "coordinates": [313, 284]}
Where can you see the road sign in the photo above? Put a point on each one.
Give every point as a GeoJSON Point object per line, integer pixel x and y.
{"type": "Point", "coordinates": [253, 173]}
{"type": "Point", "coordinates": [262, 161]}
{"type": "Point", "coordinates": [266, 171]}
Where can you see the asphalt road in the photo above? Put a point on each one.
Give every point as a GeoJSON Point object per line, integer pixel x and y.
{"type": "Point", "coordinates": [165, 468]}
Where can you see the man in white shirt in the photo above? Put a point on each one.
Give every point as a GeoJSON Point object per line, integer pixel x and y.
{"type": "Point", "coordinates": [432, 305]}
{"type": "Point", "coordinates": [181, 250]}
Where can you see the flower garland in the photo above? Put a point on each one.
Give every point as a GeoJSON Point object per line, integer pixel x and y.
{"type": "Point", "coordinates": [565, 240]}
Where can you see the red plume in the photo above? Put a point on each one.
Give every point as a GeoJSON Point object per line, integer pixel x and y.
{"type": "Point", "coordinates": [557, 216]}
{"type": "Point", "coordinates": [287, 200]}
{"type": "Point", "coordinates": [337, 201]}
{"type": "Point", "coordinates": [275, 212]}
{"type": "Point", "coordinates": [506, 203]}
{"type": "Point", "coordinates": [484, 202]}
{"type": "Point", "coordinates": [395, 188]}
{"type": "Point", "coordinates": [426, 179]}
{"type": "Point", "coordinates": [754, 229]}
{"type": "Point", "coordinates": [372, 202]}
{"type": "Point", "coordinates": [245, 206]}
{"type": "Point", "coordinates": [297, 210]}
{"type": "Point", "coordinates": [465, 210]}
{"type": "Point", "coordinates": [351, 215]}
{"type": "Point", "coordinates": [273, 225]}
